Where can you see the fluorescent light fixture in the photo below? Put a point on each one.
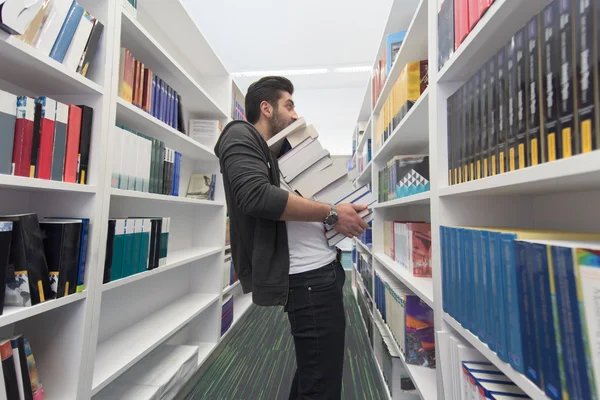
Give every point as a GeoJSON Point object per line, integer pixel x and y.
{"type": "Point", "coordinates": [308, 71]}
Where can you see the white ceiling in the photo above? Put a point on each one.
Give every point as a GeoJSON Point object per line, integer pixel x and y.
{"type": "Point", "coordinates": [256, 35]}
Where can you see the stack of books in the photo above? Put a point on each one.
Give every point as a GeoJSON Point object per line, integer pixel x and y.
{"type": "Point", "coordinates": [144, 164]}
{"type": "Point", "coordinates": [227, 314]}
{"type": "Point", "coordinates": [135, 245]}
{"type": "Point", "coordinates": [60, 29]}
{"type": "Point", "coordinates": [409, 318]}
{"type": "Point", "coordinates": [41, 259]}
{"type": "Point", "coordinates": [139, 86]}
{"type": "Point", "coordinates": [530, 296]}
{"type": "Point", "coordinates": [43, 138]}
{"type": "Point", "coordinates": [307, 169]}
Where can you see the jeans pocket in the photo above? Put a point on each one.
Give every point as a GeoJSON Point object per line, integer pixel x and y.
{"type": "Point", "coordinates": [322, 279]}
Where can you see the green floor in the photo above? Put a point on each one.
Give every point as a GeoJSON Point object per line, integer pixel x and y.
{"type": "Point", "coordinates": [258, 362]}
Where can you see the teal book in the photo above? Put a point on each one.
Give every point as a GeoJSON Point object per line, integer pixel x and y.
{"type": "Point", "coordinates": [116, 270]}
{"type": "Point", "coordinates": [164, 240]}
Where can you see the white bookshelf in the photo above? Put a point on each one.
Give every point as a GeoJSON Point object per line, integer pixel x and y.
{"type": "Point", "coordinates": [85, 342]}
{"type": "Point", "coordinates": [557, 195]}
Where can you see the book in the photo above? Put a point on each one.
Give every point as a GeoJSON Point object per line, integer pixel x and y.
{"type": "Point", "coordinates": [276, 141]}
{"type": "Point", "coordinates": [15, 16]}
{"type": "Point", "coordinates": [164, 241]}
{"type": "Point", "coordinates": [550, 81]}
{"type": "Point", "coordinates": [9, 372]}
{"type": "Point", "coordinates": [51, 27]}
{"type": "Point", "coordinates": [21, 156]}
{"type": "Point", "coordinates": [393, 44]}
{"type": "Point", "coordinates": [8, 118]}
{"type": "Point", "coordinates": [60, 142]}
{"type": "Point", "coordinates": [518, 154]}
{"type": "Point", "coordinates": [67, 32]}
{"type": "Point", "coordinates": [201, 186]}
{"type": "Point", "coordinates": [568, 139]}
{"type": "Point", "coordinates": [47, 108]}
{"type": "Point", "coordinates": [37, 390]}
{"type": "Point", "coordinates": [204, 131]}
{"type": "Point", "coordinates": [498, 148]}
{"type": "Point", "coordinates": [72, 144]}
{"type": "Point", "coordinates": [5, 241]}
{"type": "Point", "coordinates": [87, 117]}
{"type": "Point", "coordinates": [110, 241]}
{"type": "Point", "coordinates": [35, 139]}
{"type": "Point", "coordinates": [91, 48]}
{"type": "Point", "coordinates": [21, 377]}
{"type": "Point", "coordinates": [116, 270]}
{"type": "Point", "coordinates": [461, 21]}
{"type": "Point", "coordinates": [80, 38]}
{"type": "Point", "coordinates": [62, 242]}
{"type": "Point", "coordinates": [335, 191]}
{"type": "Point", "coordinates": [328, 175]}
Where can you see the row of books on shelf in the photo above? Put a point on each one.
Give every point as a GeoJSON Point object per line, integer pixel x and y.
{"type": "Point", "coordinates": [533, 102]}
{"type": "Point", "coordinates": [20, 376]}
{"type": "Point", "coordinates": [144, 89]}
{"type": "Point", "coordinates": [365, 306]}
{"type": "Point", "coordinates": [135, 245]}
{"type": "Point", "coordinates": [364, 157]}
{"type": "Point", "coordinates": [357, 136]}
{"type": "Point", "coordinates": [403, 176]}
{"type": "Point", "coordinates": [395, 375]}
{"type": "Point", "coordinates": [409, 245]}
{"type": "Point", "coordinates": [364, 267]}
{"type": "Point", "coordinates": [43, 138]}
{"type": "Point", "coordinates": [383, 67]}
{"type": "Point", "coordinates": [366, 237]}
{"type": "Point", "coordinates": [41, 259]}
{"type": "Point", "coordinates": [229, 274]}
{"type": "Point", "coordinates": [144, 164]}
{"type": "Point", "coordinates": [456, 19]}
{"type": "Point", "coordinates": [409, 318]}
{"type": "Point", "coordinates": [469, 375]}
{"type": "Point", "coordinates": [535, 307]}
{"type": "Point", "coordinates": [407, 89]}
{"type": "Point", "coordinates": [307, 170]}
{"type": "Point", "coordinates": [60, 29]}
{"type": "Point", "coordinates": [160, 375]}
{"type": "Point", "coordinates": [238, 111]}
{"type": "Point", "coordinates": [227, 313]}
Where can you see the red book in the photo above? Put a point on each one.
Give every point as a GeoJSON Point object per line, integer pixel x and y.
{"type": "Point", "coordinates": [147, 95]}
{"type": "Point", "coordinates": [21, 156]}
{"type": "Point", "coordinates": [72, 153]}
{"type": "Point", "coordinates": [136, 65]}
{"type": "Point", "coordinates": [44, 165]}
{"type": "Point", "coordinates": [141, 82]}
{"type": "Point", "coordinates": [483, 6]}
{"type": "Point", "coordinates": [474, 12]}
{"type": "Point", "coordinates": [461, 21]}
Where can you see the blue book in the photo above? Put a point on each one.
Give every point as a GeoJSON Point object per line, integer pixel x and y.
{"type": "Point", "coordinates": [153, 104]}
{"type": "Point", "coordinates": [165, 102]}
{"type": "Point", "coordinates": [490, 328]}
{"type": "Point", "coordinates": [176, 111]}
{"type": "Point", "coordinates": [544, 321]}
{"type": "Point", "coordinates": [498, 298]}
{"type": "Point", "coordinates": [67, 31]}
{"type": "Point", "coordinates": [445, 265]}
{"type": "Point", "coordinates": [513, 303]}
{"type": "Point", "coordinates": [161, 100]}
{"type": "Point", "coordinates": [469, 280]}
{"type": "Point", "coordinates": [393, 43]}
{"type": "Point", "coordinates": [454, 245]}
{"type": "Point", "coordinates": [571, 335]}
{"type": "Point", "coordinates": [171, 107]}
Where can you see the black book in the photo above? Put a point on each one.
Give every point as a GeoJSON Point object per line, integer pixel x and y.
{"type": "Point", "coordinates": [483, 93]}
{"type": "Point", "coordinates": [450, 138]}
{"type": "Point", "coordinates": [567, 143]}
{"type": "Point", "coordinates": [467, 155]}
{"type": "Point", "coordinates": [87, 116]}
{"type": "Point", "coordinates": [518, 154]}
{"type": "Point", "coordinates": [512, 127]}
{"type": "Point", "coordinates": [91, 48]}
{"type": "Point", "coordinates": [9, 371]}
{"type": "Point", "coordinates": [18, 345]}
{"type": "Point", "coordinates": [27, 278]}
{"type": "Point", "coordinates": [110, 240]}
{"type": "Point", "coordinates": [460, 136]}
{"type": "Point", "coordinates": [180, 120]}
{"type": "Point", "coordinates": [62, 240]}
{"type": "Point", "coordinates": [479, 144]}
{"type": "Point", "coordinates": [535, 154]}
{"type": "Point", "coordinates": [550, 80]}
{"type": "Point", "coordinates": [491, 131]}
{"type": "Point", "coordinates": [502, 105]}
{"type": "Point", "coordinates": [5, 238]}
{"type": "Point", "coordinates": [587, 76]}
{"type": "Point", "coordinates": [35, 140]}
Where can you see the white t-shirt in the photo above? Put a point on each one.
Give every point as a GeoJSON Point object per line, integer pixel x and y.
{"type": "Point", "coordinates": [308, 246]}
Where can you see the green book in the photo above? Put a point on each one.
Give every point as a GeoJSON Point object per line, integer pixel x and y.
{"type": "Point", "coordinates": [116, 270]}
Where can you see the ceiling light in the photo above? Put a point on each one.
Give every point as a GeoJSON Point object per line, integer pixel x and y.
{"type": "Point", "coordinates": [353, 69]}
{"type": "Point", "coordinates": [295, 72]}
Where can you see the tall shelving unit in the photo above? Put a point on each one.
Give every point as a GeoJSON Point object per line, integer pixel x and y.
{"type": "Point", "coordinates": [556, 195]}
{"type": "Point", "coordinates": [83, 343]}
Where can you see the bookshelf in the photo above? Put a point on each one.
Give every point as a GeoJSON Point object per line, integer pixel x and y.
{"type": "Point", "coordinates": [555, 195]}
{"type": "Point", "coordinates": [97, 335]}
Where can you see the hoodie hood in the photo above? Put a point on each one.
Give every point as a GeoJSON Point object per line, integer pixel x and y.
{"type": "Point", "coordinates": [233, 124]}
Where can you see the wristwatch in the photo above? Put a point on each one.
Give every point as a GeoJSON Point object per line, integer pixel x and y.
{"type": "Point", "coordinates": [332, 217]}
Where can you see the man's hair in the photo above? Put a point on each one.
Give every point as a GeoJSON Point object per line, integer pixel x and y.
{"type": "Point", "coordinates": [266, 89]}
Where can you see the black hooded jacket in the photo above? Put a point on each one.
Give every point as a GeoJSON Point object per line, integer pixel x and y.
{"type": "Point", "coordinates": [259, 243]}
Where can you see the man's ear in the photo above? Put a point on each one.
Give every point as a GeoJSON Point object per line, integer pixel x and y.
{"type": "Point", "coordinates": [266, 109]}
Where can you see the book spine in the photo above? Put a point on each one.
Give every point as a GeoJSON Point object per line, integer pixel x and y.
{"type": "Point", "coordinates": [586, 79]}
{"type": "Point", "coordinates": [498, 157]}
{"type": "Point", "coordinates": [35, 140]}
{"type": "Point", "coordinates": [569, 137]}
{"type": "Point", "coordinates": [550, 81]}
{"type": "Point", "coordinates": [518, 153]}
{"type": "Point", "coordinates": [21, 157]}
{"type": "Point", "coordinates": [87, 117]}
{"type": "Point", "coordinates": [8, 118]}
{"type": "Point", "coordinates": [91, 48]}
{"type": "Point", "coordinates": [47, 128]}
{"type": "Point", "coordinates": [110, 241]}
{"type": "Point", "coordinates": [65, 36]}
{"type": "Point", "coordinates": [116, 271]}
{"type": "Point", "coordinates": [60, 142]}
{"type": "Point", "coordinates": [498, 289]}
{"type": "Point", "coordinates": [480, 137]}
{"type": "Point", "coordinates": [85, 227]}
{"type": "Point", "coordinates": [76, 48]}
{"type": "Point", "coordinates": [483, 115]}
{"type": "Point", "coordinates": [535, 154]}
{"type": "Point", "coordinates": [72, 149]}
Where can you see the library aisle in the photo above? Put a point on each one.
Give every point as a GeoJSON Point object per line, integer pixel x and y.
{"type": "Point", "coordinates": [258, 362]}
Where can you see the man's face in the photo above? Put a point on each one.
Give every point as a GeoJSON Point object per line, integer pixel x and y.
{"type": "Point", "coordinates": [284, 114]}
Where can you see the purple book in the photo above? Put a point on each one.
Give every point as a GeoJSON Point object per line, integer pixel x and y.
{"type": "Point", "coordinates": [420, 333]}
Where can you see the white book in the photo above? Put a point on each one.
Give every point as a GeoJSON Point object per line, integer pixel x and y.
{"type": "Point", "coordinates": [147, 164]}
{"type": "Point", "coordinates": [131, 160]}
{"type": "Point", "coordinates": [308, 188]}
{"type": "Point", "coordinates": [299, 158]}
{"type": "Point", "coordinates": [140, 168]}
{"type": "Point", "coordinates": [125, 157]}
{"type": "Point", "coordinates": [500, 388]}
{"type": "Point", "coordinates": [310, 172]}
{"type": "Point", "coordinates": [293, 169]}
{"type": "Point", "coordinates": [17, 362]}
{"type": "Point", "coordinates": [366, 214]}
{"type": "Point", "coordinates": [51, 27]}
{"type": "Point", "coordinates": [18, 14]}
{"type": "Point", "coordinates": [307, 141]}
{"type": "Point", "coordinates": [276, 141]}
{"type": "Point", "coordinates": [297, 137]}
{"type": "Point", "coordinates": [80, 39]}
{"type": "Point", "coordinates": [116, 158]}
{"type": "Point", "coordinates": [335, 191]}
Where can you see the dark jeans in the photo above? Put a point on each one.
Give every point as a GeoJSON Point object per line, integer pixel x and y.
{"type": "Point", "coordinates": [315, 310]}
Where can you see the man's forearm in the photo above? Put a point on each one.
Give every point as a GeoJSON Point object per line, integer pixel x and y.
{"type": "Point", "coordinates": [301, 209]}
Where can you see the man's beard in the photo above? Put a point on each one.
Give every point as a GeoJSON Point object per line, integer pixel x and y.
{"type": "Point", "coordinates": [277, 124]}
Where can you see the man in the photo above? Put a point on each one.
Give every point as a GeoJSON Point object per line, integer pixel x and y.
{"type": "Point", "coordinates": [278, 245]}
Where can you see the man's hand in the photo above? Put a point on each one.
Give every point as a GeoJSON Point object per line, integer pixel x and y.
{"type": "Point", "coordinates": [349, 222]}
